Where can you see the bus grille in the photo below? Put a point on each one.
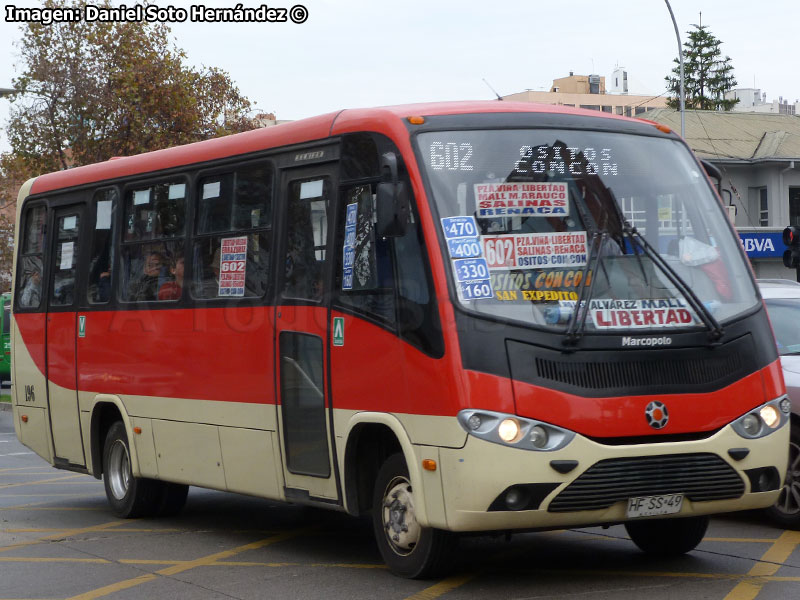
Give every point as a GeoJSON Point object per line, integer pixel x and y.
{"type": "Point", "coordinates": [701, 477]}
{"type": "Point", "coordinates": [602, 375]}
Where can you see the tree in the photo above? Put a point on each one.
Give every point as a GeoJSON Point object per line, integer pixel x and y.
{"type": "Point", "coordinates": [94, 90]}
{"type": "Point", "coordinates": [707, 74]}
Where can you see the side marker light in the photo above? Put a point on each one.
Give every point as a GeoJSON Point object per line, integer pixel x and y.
{"type": "Point", "coordinates": [416, 120]}
{"type": "Point", "coordinates": [24, 418]}
{"type": "Point", "coordinates": [137, 430]}
{"type": "Point", "coordinates": [429, 465]}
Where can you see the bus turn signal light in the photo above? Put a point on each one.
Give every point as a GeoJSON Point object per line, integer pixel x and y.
{"type": "Point", "coordinates": [429, 465]}
{"type": "Point", "coordinates": [416, 120]}
{"type": "Point", "coordinates": [24, 418]}
{"type": "Point", "coordinates": [137, 430]}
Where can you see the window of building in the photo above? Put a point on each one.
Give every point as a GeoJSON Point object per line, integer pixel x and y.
{"type": "Point", "coordinates": [763, 208]}
{"type": "Point", "coordinates": [794, 206]}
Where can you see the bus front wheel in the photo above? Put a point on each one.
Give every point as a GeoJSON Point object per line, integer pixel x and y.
{"type": "Point", "coordinates": [668, 537]}
{"type": "Point", "coordinates": [408, 549]}
{"type": "Point", "coordinates": [127, 495]}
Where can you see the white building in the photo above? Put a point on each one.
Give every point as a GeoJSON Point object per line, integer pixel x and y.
{"type": "Point", "coordinates": [754, 100]}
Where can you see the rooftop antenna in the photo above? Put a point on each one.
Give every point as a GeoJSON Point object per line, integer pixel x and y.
{"type": "Point", "coordinates": [499, 97]}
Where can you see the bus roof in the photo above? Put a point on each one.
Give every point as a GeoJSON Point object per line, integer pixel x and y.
{"type": "Point", "coordinates": [295, 132]}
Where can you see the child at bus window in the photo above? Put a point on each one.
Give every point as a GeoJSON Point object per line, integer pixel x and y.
{"type": "Point", "coordinates": [171, 290]}
{"type": "Point", "coordinates": [145, 287]}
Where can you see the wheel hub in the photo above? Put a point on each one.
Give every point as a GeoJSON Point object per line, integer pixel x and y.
{"type": "Point", "coordinates": [399, 517]}
{"type": "Point", "coordinates": [119, 470]}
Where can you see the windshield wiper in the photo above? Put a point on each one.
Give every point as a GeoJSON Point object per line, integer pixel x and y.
{"type": "Point", "coordinates": [577, 322]}
{"type": "Point", "coordinates": [637, 239]}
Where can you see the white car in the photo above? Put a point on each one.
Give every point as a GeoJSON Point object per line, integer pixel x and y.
{"type": "Point", "coordinates": [782, 298]}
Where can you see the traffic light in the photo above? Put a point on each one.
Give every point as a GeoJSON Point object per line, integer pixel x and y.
{"type": "Point", "coordinates": [791, 239]}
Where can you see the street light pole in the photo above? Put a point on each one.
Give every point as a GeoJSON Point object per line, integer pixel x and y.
{"type": "Point", "coordinates": [680, 55]}
{"type": "Point", "coordinates": [7, 92]}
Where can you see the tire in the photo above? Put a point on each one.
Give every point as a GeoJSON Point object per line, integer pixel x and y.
{"type": "Point", "coordinates": [173, 498]}
{"type": "Point", "coordinates": [407, 548]}
{"type": "Point", "coordinates": [786, 510]}
{"type": "Point", "coordinates": [667, 537]}
{"type": "Point", "coordinates": [128, 496]}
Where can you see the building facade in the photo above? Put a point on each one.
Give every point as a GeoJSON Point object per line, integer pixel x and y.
{"type": "Point", "coordinates": [759, 157]}
{"type": "Point", "coordinates": [589, 91]}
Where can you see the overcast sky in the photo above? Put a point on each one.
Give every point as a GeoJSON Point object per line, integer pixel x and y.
{"type": "Point", "coordinates": [352, 53]}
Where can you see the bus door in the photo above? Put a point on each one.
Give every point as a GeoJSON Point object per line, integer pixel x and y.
{"type": "Point", "coordinates": [303, 406]}
{"type": "Point", "coordinates": [62, 333]}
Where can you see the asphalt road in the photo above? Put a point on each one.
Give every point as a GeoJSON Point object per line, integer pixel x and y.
{"type": "Point", "coordinates": [58, 540]}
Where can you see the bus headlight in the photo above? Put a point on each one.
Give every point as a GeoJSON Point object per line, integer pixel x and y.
{"type": "Point", "coordinates": [508, 430]}
{"type": "Point", "coordinates": [762, 421]}
{"type": "Point", "coordinates": [538, 436]}
{"type": "Point", "coordinates": [514, 431]}
{"type": "Point", "coordinates": [769, 414]}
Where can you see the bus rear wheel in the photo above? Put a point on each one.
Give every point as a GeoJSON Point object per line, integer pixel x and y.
{"type": "Point", "coordinates": [128, 496]}
{"type": "Point", "coordinates": [408, 549]}
{"type": "Point", "coordinates": [667, 537]}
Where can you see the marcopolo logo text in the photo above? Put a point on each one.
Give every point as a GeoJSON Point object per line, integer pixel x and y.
{"type": "Point", "coordinates": [646, 341]}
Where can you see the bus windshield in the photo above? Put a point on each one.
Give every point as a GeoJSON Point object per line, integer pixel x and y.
{"type": "Point", "coordinates": [531, 215]}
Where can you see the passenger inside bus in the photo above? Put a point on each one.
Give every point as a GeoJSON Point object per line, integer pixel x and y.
{"type": "Point", "coordinates": [145, 287]}
{"type": "Point", "coordinates": [171, 290]}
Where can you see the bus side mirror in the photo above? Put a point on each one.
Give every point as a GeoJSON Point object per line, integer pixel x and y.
{"type": "Point", "coordinates": [713, 172]}
{"type": "Point", "coordinates": [392, 200]}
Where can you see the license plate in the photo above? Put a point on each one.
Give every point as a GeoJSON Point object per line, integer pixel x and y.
{"type": "Point", "coordinates": [647, 506]}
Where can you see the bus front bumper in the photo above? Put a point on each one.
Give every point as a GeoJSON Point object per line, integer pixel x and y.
{"type": "Point", "coordinates": [477, 478]}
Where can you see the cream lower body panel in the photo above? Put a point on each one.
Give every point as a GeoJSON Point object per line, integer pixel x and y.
{"type": "Point", "coordinates": [474, 476]}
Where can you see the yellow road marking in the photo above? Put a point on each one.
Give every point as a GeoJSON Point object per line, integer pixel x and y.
{"type": "Point", "coordinates": [780, 550]}
{"type": "Point", "coordinates": [62, 534]}
{"type": "Point", "coordinates": [5, 486]}
{"type": "Point", "coordinates": [20, 559]}
{"type": "Point", "coordinates": [186, 566]}
{"type": "Point", "coordinates": [23, 468]}
{"type": "Point", "coordinates": [441, 588]}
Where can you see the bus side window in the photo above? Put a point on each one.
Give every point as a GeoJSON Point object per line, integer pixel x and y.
{"type": "Point", "coordinates": [155, 218]}
{"type": "Point", "coordinates": [102, 257]}
{"type": "Point", "coordinates": [365, 283]}
{"type": "Point", "coordinates": [29, 281]}
{"type": "Point", "coordinates": [231, 250]}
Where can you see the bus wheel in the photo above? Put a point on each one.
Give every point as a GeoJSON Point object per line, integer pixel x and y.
{"type": "Point", "coordinates": [786, 510]}
{"type": "Point", "coordinates": [128, 496]}
{"type": "Point", "coordinates": [173, 497]}
{"type": "Point", "coordinates": [668, 537]}
{"type": "Point", "coordinates": [408, 549]}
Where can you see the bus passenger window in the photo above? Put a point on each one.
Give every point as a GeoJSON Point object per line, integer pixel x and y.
{"type": "Point", "coordinates": [102, 257]}
{"type": "Point", "coordinates": [29, 285]}
{"type": "Point", "coordinates": [31, 290]}
{"type": "Point", "coordinates": [153, 213]}
{"type": "Point", "coordinates": [230, 255]}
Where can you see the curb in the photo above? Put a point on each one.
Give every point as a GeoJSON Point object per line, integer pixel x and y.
{"type": "Point", "coordinates": [5, 406]}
